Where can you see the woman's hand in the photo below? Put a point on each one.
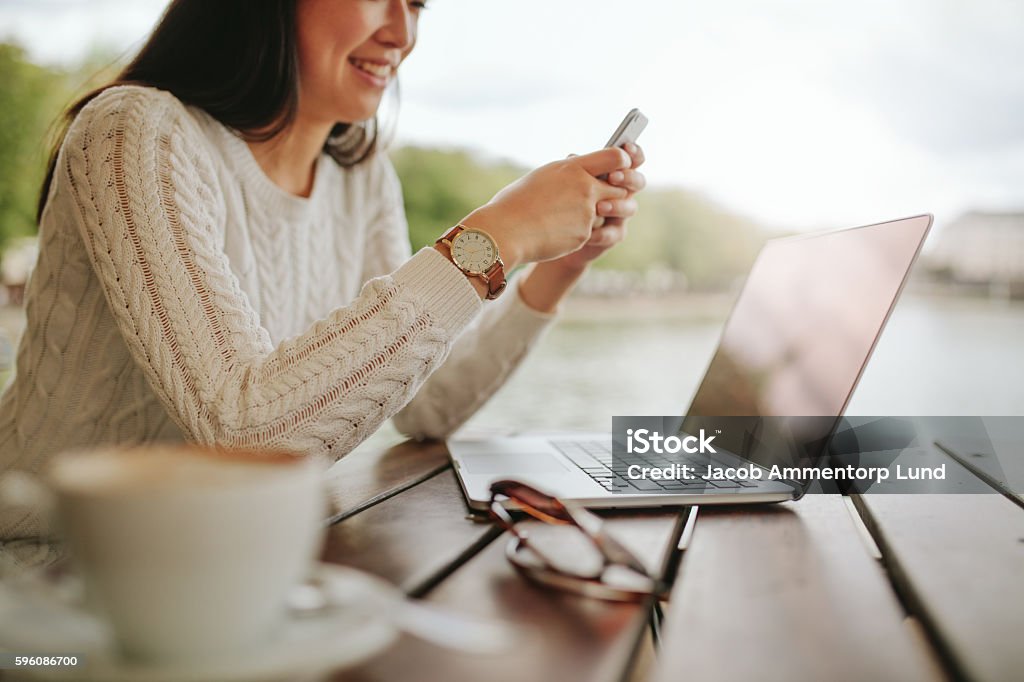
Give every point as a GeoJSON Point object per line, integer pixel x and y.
{"type": "Point", "coordinates": [551, 211]}
{"type": "Point", "coordinates": [610, 224]}
{"type": "Point", "coordinates": [547, 283]}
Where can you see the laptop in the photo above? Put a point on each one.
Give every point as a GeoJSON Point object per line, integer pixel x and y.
{"type": "Point", "coordinates": [795, 344]}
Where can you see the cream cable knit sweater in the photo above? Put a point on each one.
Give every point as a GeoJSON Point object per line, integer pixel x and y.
{"type": "Point", "coordinates": [180, 294]}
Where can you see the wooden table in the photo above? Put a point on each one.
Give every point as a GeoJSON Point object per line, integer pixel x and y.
{"type": "Point", "coordinates": [876, 587]}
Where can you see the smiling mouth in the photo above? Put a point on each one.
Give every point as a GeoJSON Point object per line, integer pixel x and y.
{"type": "Point", "coordinates": [376, 70]}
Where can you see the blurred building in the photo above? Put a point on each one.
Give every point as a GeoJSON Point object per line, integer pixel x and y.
{"type": "Point", "coordinates": [982, 250]}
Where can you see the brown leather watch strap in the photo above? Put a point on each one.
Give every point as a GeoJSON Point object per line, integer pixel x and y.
{"type": "Point", "coordinates": [495, 278]}
{"type": "Point", "coordinates": [450, 235]}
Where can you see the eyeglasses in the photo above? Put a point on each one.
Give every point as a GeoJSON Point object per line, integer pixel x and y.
{"type": "Point", "coordinates": [571, 551]}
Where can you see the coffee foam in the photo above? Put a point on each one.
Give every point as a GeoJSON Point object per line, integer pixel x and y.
{"type": "Point", "coordinates": [167, 466]}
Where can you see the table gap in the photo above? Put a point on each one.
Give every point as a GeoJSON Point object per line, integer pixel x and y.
{"type": "Point", "coordinates": [386, 495]}
{"type": "Point", "coordinates": [912, 606]}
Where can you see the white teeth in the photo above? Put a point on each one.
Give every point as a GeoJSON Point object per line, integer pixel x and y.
{"type": "Point", "coordinates": [379, 70]}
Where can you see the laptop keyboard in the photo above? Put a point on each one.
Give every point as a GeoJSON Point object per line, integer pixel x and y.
{"type": "Point", "coordinates": [594, 458]}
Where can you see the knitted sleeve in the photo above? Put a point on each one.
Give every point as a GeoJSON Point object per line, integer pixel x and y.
{"type": "Point", "coordinates": [484, 357]}
{"type": "Point", "coordinates": [486, 353]}
{"type": "Point", "coordinates": [150, 214]}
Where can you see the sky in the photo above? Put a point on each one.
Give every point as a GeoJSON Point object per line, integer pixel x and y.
{"type": "Point", "coordinates": [800, 114]}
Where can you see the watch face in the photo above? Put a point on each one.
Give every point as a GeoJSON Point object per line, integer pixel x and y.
{"type": "Point", "coordinates": [474, 251]}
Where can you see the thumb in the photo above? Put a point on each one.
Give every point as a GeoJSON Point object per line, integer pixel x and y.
{"type": "Point", "coordinates": [603, 161]}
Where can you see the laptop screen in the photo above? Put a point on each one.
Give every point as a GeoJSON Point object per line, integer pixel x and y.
{"type": "Point", "coordinates": [805, 323]}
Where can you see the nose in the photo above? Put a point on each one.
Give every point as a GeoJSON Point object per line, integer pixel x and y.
{"type": "Point", "coordinates": [400, 30]}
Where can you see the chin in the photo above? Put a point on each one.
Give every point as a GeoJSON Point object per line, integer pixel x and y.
{"type": "Point", "coordinates": [358, 112]}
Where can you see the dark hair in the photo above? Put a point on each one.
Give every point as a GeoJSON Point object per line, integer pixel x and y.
{"type": "Point", "coordinates": [235, 59]}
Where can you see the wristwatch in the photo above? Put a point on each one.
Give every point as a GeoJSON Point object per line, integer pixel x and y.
{"type": "Point", "coordinates": [475, 253]}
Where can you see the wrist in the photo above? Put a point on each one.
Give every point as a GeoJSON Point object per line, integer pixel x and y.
{"type": "Point", "coordinates": [546, 284]}
{"type": "Point", "coordinates": [486, 220]}
{"type": "Point", "coordinates": [567, 266]}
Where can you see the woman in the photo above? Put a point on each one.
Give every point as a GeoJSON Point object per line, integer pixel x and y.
{"type": "Point", "coordinates": [224, 257]}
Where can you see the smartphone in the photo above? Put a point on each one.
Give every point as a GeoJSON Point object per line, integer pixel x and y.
{"type": "Point", "coordinates": [628, 131]}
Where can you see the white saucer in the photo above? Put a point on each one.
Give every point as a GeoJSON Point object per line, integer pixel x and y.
{"type": "Point", "coordinates": [307, 644]}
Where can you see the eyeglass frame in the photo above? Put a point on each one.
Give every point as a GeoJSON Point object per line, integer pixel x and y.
{"type": "Point", "coordinates": [551, 510]}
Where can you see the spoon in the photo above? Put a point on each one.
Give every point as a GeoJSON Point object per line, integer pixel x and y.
{"type": "Point", "coordinates": [378, 598]}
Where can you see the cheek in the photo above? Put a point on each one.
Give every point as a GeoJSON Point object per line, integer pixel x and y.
{"type": "Point", "coordinates": [312, 48]}
{"type": "Point", "coordinates": [327, 32]}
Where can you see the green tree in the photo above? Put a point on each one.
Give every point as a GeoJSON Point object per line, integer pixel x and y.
{"type": "Point", "coordinates": [685, 232]}
{"type": "Point", "coordinates": [32, 99]}
{"type": "Point", "coordinates": [29, 97]}
{"type": "Point", "coordinates": [442, 186]}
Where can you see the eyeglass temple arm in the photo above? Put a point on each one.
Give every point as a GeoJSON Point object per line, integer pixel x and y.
{"type": "Point", "coordinates": [612, 550]}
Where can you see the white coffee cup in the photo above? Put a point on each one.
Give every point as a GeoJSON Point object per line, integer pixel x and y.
{"type": "Point", "coordinates": [189, 553]}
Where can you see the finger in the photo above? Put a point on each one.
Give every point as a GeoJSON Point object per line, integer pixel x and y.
{"type": "Point", "coordinates": [599, 221]}
{"type": "Point", "coordinates": [617, 208]}
{"type": "Point", "coordinates": [636, 153]}
{"type": "Point", "coordinates": [607, 237]}
{"type": "Point", "coordinates": [629, 179]}
{"type": "Point", "coordinates": [604, 191]}
{"type": "Point", "coordinates": [604, 161]}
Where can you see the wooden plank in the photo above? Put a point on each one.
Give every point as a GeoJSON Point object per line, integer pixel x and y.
{"type": "Point", "coordinates": [958, 561]}
{"type": "Point", "coordinates": [366, 477]}
{"type": "Point", "coordinates": [644, 659]}
{"type": "Point", "coordinates": [560, 636]}
{"type": "Point", "coordinates": [786, 592]}
{"type": "Point", "coordinates": [412, 538]}
{"type": "Point", "coordinates": [997, 462]}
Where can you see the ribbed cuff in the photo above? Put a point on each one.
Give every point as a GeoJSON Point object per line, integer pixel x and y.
{"type": "Point", "coordinates": [443, 289]}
